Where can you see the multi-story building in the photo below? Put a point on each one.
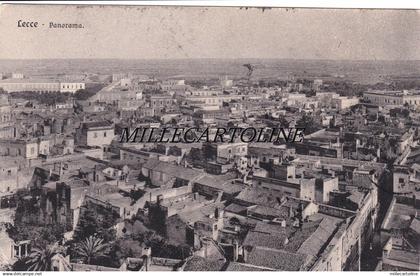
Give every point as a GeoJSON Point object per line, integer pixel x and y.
{"type": "Point", "coordinates": [6, 123]}
{"type": "Point", "coordinates": [225, 82]}
{"type": "Point", "coordinates": [216, 100]}
{"type": "Point", "coordinates": [71, 87]}
{"type": "Point", "coordinates": [161, 101]}
{"type": "Point", "coordinates": [389, 98]}
{"type": "Point", "coordinates": [400, 236]}
{"type": "Point", "coordinates": [225, 151]}
{"type": "Point", "coordinates": [93, 134]}
{"type": "Point", "coordinates": [344, 102]}
{"type": "Point", "coordinates": [26, 148]}
{"type": "Point", "coordinates": [39, 85]}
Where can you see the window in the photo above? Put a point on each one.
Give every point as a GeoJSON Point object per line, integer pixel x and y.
{"type": "Point", "coordinates": [16, 249]}
{"type": "Point", "coordinates": [95, 135]}
{"type": "Point", "coordinates": [401, 180]}
{"type": "Point", "coordinates": [9, 172]}
{"type": "Point", "coordinates": [105, 134]}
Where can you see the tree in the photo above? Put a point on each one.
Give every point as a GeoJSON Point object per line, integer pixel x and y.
{"type": "Point", "coordinates": [41, 258]}
{"type": "Point", "coordinates": [308, 123]}
{"type": "Point", "coordinates": [39, 235]}
{"type": "Point", "coordinates": [84, 94]}
{"type": "Point", "coordinates": [28, 226]}
{"type": "Point", "coordinates": [162, 248]}
{"type": "Point", "coordinates": [173, 121]}
{"type": "Point", "coordinates": [91, 249]}
{"type": "Point", "coordinates": [93, 222]}
{"type": "Point", "coordinates": [283, 121]}
{"type": "Point", "coordinates": [124, 248]}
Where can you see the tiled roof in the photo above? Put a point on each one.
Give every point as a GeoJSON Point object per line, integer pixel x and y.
{"type": "Point", "coordinates": [314, 243]}
{"type": "Point", "coordinates": [171, 169]}
{"type": "Point", "coordinates": [234, 266]}
{"type": "Point", "coordinates": [415, 226]}
{"type": "Point", "coordinates": [270, 199]}
{"type": "Point", "coordinates": [274, 236]}
{"type": "Point", "coordinates": [197, 263]}
{"type": "Point", "coordinates": [265, 239]}
{"type": "Point", "coordinates": [276, 259]}
{"type": "Point", "coordinates": [97, 124]}
{"type": "Point", "coordinates": [280, 212]}
{"type": "Point", "coordinates": [220, 182]}
{"type": "Point", "coordinates": [86, 267]}
{"type": "Point", "coordinates": [203, 213]}
{"type": "Point", "coordinates": [235, 208]}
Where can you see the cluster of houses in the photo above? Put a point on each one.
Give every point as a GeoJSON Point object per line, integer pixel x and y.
{"type": "Point", "coordinates": [314, 205]}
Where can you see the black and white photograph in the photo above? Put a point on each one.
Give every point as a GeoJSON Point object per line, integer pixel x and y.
{"type": "Point", "coordinates": [209, 138]}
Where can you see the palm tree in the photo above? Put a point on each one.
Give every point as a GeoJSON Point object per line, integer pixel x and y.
{"type": "Point", "coordinates": [90, 249]}
{"type": "Point", "coordinates": [41, 258]}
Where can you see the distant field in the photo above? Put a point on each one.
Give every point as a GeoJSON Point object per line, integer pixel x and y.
{"type": "Point", "coordinates": [359, 71]}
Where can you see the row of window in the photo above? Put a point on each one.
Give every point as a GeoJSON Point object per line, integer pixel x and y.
{"type": "Point", "coordinates": [168, 102]}
{"type": "Point", "coordinates": [237, 150]}
{"type": "Point", "coordinates": [29, 85]}
{"type": "Point", "coordinates": [95, 134]}
{"type": "Point", "coordinates": [72, 86]}
{"type": "Point", "coordinates": [393, 101]}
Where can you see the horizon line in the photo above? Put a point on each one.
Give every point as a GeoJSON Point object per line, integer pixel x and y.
{"type": "Point", "coordinates": [215, 58]}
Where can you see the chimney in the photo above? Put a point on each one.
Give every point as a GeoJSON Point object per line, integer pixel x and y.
{"type": "Point", "coordinates": [147, 255]}
{"type": "Point", "coordinates": [283, 223]}
{"type": "Point", "coordinates": [216, 213]}
{"type": "Point", "coordinates": [60, 169]}
{"type": "Point", "coordinates": [235, 251]}
{"type": "Point", "coordinates": [159, 199]}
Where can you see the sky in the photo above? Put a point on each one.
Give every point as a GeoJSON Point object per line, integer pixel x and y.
{"type": "Point", "coordinates": [218, 32]}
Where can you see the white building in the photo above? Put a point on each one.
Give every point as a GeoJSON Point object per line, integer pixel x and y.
{"type": "Point", "coordinates": [344, 102]}
{"type": "Point", "coordinates": [71, 87]}
{"type": "Point", "coordinates": [39, 85]}
{"type": "Point", "coordinates": [17, 76]}
{"type": "Point", "coordinates": [96, 134]}
{"type": "Point", "coordinates": [387, 98]}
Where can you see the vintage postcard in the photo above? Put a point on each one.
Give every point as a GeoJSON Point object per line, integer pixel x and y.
{"type": "Point", "coordinates": [181, 138]}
